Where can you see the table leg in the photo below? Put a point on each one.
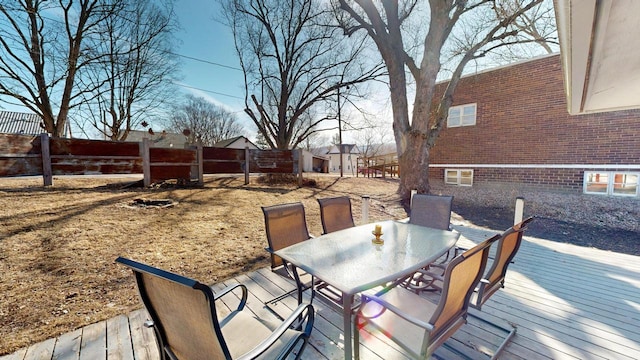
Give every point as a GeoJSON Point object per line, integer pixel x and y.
{"type": "Point", "coordinates": [347, 302]}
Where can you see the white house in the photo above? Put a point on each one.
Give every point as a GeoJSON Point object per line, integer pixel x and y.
{"type": "Point", "coordinates": [350, 155]}
{"type": "Point", "coordinates": [314, 163]}
{"type": "Point", "coordinates": [238, 142]}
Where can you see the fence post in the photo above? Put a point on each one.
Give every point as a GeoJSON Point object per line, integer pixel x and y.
{"type": "Point", "coordinates": [246, 165]}
{"type": "Point", "coordinates": [413, 192]}
{"type": "Point", "coordinates": [146, 162]}
{"type": "Point", "coordinates": [519, 213]}
{"type": "Point", "coordinates": [365, 209]}
{"type": "Point", "coordinates": [47, 173]}
{"type": "Point", "coordinates": [300, 166]}
{"type": "Point", "coordinates": [200, 157]}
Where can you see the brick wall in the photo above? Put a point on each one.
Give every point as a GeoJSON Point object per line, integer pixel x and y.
{"type": "Point", "coordinates": [522, 118]}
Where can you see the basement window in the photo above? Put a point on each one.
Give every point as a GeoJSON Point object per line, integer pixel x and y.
{"type": "Point", "coordinates": [611, 183]}
{"type": "Point", "coordinates": [461, 177]}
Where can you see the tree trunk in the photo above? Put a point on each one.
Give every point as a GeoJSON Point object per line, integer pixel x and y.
{"type": "Point", "coordinates": [414, 166]}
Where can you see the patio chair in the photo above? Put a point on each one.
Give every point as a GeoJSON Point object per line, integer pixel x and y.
{"type": "Point", "coordinates": [433, 211]}
{"type": "Point", "coordinates": [335, 214]}
{"type": "Point", "coordinates": [413, 322]}
{"type": "Point", "coordinates": [286, 225]}
{"type": "Point", "coordinates": [508, 244]}
{"type": "Point", "coordinates": [183, 316]}
{"type": "Point", "coordinates": [493, 280]}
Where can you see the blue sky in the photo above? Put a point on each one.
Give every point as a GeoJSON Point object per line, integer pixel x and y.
{"type": "Point", "coordinates": [204, 37]}
{"type": "Point", "coordinates": [204, 42]}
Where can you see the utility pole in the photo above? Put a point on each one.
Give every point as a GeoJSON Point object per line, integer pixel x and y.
{"type": "Point", "coordinates": [340, 135]}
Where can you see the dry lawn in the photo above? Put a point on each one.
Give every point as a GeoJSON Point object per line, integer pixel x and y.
{"type": "Point", "coordinates": [58, 245]}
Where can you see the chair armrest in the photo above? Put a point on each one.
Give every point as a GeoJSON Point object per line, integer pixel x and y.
{"type": "Point", "coordinates": [303, 313]}
{"type": "Point", "coordinates": [432, 274]}
{"type": "Point", "coordinates": [395, 310]}
{"type": "Point", "coordinates": [228, 289]}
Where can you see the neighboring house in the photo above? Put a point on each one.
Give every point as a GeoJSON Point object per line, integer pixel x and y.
{"type": "Point", "coordinates": [158, 139]}
{"type": "Point", "coordinates": [25, 124]}
{"type": "Point", "coordinates": [350, 155]}
{"type": "Point", "coordinates": [238, 142]}
{"type": "Point", "coordinates": [314, 163]}
{"type": "Point", "coordinates": [510, 125]}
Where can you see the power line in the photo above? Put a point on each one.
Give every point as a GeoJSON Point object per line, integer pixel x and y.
{"type": "Point", "coordinates": [171, 52]}
{"type": "Point", "coordinates": [204, 61]}
{"type": "Point", "coordinates": [190, 58]}
{"type": "Point", "coordinates": [209, 91]}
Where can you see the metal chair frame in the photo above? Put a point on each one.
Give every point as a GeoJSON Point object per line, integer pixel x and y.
{"type": "Point", "coordinates": [302, 316]}
{"type": "Point", "coordinates": [447, 317]}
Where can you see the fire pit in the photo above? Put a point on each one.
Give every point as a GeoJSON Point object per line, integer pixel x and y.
{"type": "Point", "coordinates": [152, 203]}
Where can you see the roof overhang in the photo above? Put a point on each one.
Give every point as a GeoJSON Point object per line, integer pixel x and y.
{"type": "Point", "coordinates": [600, 51]}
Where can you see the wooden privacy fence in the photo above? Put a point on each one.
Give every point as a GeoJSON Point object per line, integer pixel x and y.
{"type": "Point", "coordinates": [23, 155]}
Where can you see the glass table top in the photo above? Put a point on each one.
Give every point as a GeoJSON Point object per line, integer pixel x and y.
{"type": "Point", "coordinates": [348, 260]}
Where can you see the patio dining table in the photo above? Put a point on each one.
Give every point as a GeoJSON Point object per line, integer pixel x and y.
{"type": "Point", "coordinates": [349, 261]}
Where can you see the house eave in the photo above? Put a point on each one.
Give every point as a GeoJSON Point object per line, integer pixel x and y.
{"type": "Point", "coordinates": [600, 52]}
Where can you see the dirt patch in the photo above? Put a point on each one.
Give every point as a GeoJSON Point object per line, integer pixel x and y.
{"type": "Point", "coordinates": [58, 245]}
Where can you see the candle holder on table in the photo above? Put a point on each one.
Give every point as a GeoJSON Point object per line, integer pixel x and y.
{"type": "Point", "coordinates": [377, 233]}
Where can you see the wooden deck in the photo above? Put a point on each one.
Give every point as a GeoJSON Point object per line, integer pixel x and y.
{"type": "Point", "coordinates": [567, 302]}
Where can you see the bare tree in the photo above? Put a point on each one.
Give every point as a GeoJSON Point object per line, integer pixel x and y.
{"type": "Point", "coordinates": [40, 56]}
{"type": "Point", "coordinates": [133, 81]}
{"type": "Point", "coordinates": [203, 122]}
{"type": "Point", "coordinates": [315, 138]}
{"type": "Point", "coordinates": [372, 138]}
{"type": "Point", "coordinates": [294, 61]}
{"type": "Point", "coordinates": [473, 28]}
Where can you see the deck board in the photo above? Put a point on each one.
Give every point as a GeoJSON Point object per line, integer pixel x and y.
{"type": "Point", "coordinates": [68, 346]}
{"type": "Point", "coordinates": [568, 302]}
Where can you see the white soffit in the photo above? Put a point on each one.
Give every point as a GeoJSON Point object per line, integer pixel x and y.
{"type": "Point", "coordinates": [600, 46]}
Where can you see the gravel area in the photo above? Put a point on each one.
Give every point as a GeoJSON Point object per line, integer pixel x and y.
{"type": "Point", "coordinates": [604, 222]}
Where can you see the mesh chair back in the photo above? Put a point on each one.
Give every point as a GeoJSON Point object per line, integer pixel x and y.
{"type": "Point", "coordinates": [508, 246]}
{"type": "Point", "coordinates": [285, 225]}
{"type": "Point", "coordinates": [431, 210]}
{"type": "Point", "coordinates": [335, 214]}
{"type": "Point", "coordinates": [183, 312]}
{"type": "Point", "coordinates": [460, 279]}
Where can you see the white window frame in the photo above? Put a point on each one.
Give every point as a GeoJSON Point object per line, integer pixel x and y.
{"type": "Point", "coordinates": [611, 175]}
{"type": "Point", "coordinates": [457, 121]}
{"type": "Point", "coordinates": [458, 180]}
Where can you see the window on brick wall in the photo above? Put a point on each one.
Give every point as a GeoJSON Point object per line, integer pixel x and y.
{"type": "Point", "coordinates": [462, 115]}
{"type": "Point", "coordinates": [462, 177]}
{"type": "Point", "coordinates": [611, 183]}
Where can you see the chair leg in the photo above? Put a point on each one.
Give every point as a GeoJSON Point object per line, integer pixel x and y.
{"type": "Point", "coordinates": [299, 289]}
{"type": "Point", "coordinates": [510, 332]}
{"type": "Point", "coordinates": [268, 303]}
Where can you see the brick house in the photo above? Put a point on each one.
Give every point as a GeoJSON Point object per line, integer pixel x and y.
{"type": "Point", "coordinates": [510, 125]}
